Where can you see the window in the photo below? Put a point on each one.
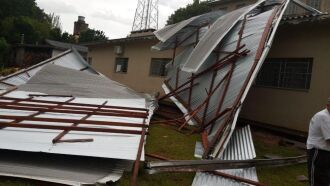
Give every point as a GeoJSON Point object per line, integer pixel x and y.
{"type": "Point", "coordinates": [291, 73]}
{"type": "Point", "coordinates": [158, 66]}
{"type": "Point", "coordinates": [315, 4]}
{"type": "Point", "coordinates": [90, 60]}
{"type": "Point", "coordinates": [121, 65]}
{"type": "Point", "coordinates": [240, 5]}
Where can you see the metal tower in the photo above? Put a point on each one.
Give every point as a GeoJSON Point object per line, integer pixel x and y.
{"type": "Point", "coordinates": [146, 15]}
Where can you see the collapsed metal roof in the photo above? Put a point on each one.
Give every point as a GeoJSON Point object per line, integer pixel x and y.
{"type": "Point", "coordinates": [70, 59]}
{"type": "Point", "coordinates": [66, 46]}
{"type": "Point", "coordinates": [209, 81]}
{"type": "Point", "coordinates": [186, 32]}
{"type": "Point", "coordinates": [240, 147]}
{"type": "Point", "coordinates": [225, 66]}
{"type": "Point", "coordinates": [54, 79]}
{"type": "Point", "coordinates": [63, 110]}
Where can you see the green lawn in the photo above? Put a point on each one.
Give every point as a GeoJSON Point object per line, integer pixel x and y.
{"type": "Point", "coordinates": [165, 141]}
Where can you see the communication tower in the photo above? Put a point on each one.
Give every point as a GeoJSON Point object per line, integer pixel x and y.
{"type": "Point", "coordinates": [146, 16]}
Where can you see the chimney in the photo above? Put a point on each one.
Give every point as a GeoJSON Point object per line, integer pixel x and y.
{"type": "Point", "coordinates": [81, 19]}
{"type": "Point", "coordinates": [79, 26]}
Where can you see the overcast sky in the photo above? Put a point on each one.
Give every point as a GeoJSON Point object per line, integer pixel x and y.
{"type": "Point", "coordinates": [114, 17]}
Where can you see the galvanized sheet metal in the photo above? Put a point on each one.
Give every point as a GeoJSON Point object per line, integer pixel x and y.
{"type": "Point", "coordinates": [57, 80]}
{"type": "Point", "coordinates": [179, 32]}
{"type": "Point", "coordinates": [251, 38]}
{"type": "Point", "coordinates": [217, 32]}
{"type": "Point", "coordinates": [105, 145]}
{"type": "Point", "coordinates": [68, 170]}
{"type": "Point", "coordinates": [69, 59]}
{"type": "Point", "coordinates": [240, 147]}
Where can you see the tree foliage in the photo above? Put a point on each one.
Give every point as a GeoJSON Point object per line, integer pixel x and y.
{"type": "Point", "coordinates": [55, 21]}
{"type": "Point", "coordinates": [191, 10]}
{"type": "Point", "coordinates": [4, 48]}
{"type": "Point", "coordinates": [16, 8]}
{"type": "Point", "coordinates": [92, 35]}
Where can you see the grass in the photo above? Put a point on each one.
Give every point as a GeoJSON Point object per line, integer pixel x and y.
{"type": "Point", "coordinates": [284, 176]}
{"type": "Point", "coordinates": [167, 142]}
{"type": "Point", "coordinates": [173, 145]}
{"type": "Point", "coordinates": [7, 71]}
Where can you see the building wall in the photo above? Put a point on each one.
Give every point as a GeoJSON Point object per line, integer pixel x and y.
{"type": "Point", "coordinates": [139, 54]}
{"type": "Point", "coordinates": [289, 108]}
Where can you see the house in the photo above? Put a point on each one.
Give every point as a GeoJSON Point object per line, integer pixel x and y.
{"type": "Point", "coordinates": [291, 87]}
{"type": "Point", "coordinates": [131, 62]}
{"type": "Point", "coordinates": [25, 55]}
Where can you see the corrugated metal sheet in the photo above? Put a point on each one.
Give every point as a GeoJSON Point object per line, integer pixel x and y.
{"type": "Point", "coordinates": [217, 32]}
{"type": "Point", "coordinates": [69, 59]}
{"type": "Point", "coordinates": [66, 46]}
{"type": "Point", "coordinates": [105, 145]}
{"type": "Point", "coordinates": [185, 32]}
{"type": "Point", "coordinates": [40, 96]}
{"type": "Point", "coordinates": [54, 79]}
{"type": "Point", "coordinates": [240, 147]}
{"type": "Point", "coordinates": [68, 170]}
{"type": "Point", "coordinates": [243, 73]}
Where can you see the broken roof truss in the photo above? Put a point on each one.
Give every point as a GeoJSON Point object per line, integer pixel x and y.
{"type": "Point", "coordinates": [210, 78]}
{"type": "Point", "coordinates": [64, 110]}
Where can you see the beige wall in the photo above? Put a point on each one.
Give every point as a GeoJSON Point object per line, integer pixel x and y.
{"type": "Point", "coordinates": [289, 108]}
{"type": "Point", "coordinates": [139, 54]}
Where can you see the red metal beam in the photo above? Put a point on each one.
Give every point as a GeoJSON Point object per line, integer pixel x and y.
{"type": "Point", "coordinates": [71, 128]}
{"type": "Point", "coordinates": [8, 84]}
{"type": "Point", "coordinates": [75, 104]}
{"type": "Point", "coordinates": [132, 115]}
{"type": "Point", "coordinates": [138, 158]}
{"type": "Point", "coordinates": [8, 91]}
{"type": "Point", "coordinates": [236, 178]}
{"type": "Point", "coordinates": [190, 90]}
{"type": "Point", "coordinates": [73, 109]}
{"type": "Point", "coordinates": [49, 95]}
{"type": "Point", "coordinates": [209, 97]}
{"type": "Point", "coordinates": [76, 140]}
{"type": "Point", "coordinates": [220, 64]}
{"type": "Point", "coordinates": [156, 156]}
{"type": "Point", "coordinates": [86, 122]}
{"type": "Point", "coordinates": [63, 133]}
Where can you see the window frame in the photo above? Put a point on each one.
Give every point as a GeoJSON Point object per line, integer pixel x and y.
{"type": "Point", "coordinates": [116, 63]}
{"type": "Point", "coordinates": [164, 60]}
{"type": "Point", "coordinates": [285, 64]}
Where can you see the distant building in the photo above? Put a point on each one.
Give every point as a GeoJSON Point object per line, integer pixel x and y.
{"type": "Point", "coordinates": [79, 26]}
{"type": "Point", "coordinates": [25, 55]}
{"type": "Point", "coordinates": [131, 62]}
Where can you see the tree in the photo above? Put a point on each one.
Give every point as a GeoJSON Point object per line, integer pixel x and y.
{"type": "Point", "coordinates": [67, 38]}
{"type": "Point", "coordinates": [191, 10]}
{"type": "Point", "coordinates": [4, 48]}
{"type": "Point", "coordinates": [33, 30]}
{"type": "Point", "coordinates": [15, 8]}
{"type": "Point", "coordinates": [92, 35]}
{"type": "Point", "coordinates": [54, 21]}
